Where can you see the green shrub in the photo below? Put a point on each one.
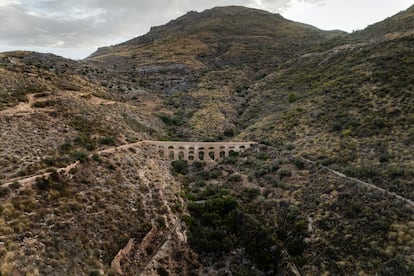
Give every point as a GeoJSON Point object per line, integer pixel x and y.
{"type": "Point", "coordinates": [85, 141]}
{"type": "Point", "coordinates": [197, 165]}
{"type": "Point", "coordinates": [94, 273]}
{"type": "Point", "coordinates": [234, 153]}
{"type": "Point", "coordinates": [170, 120]}
{"type": "Point", "coordinates": [235, 177]}
{"type": "Point", "coordinates": [395, 172]}
{"type": "Point", "coordinates": [4, 191]}
{"type": "Point", "coordinates": [44, 104]}
{"type": "Point", "coordinates": [81, 124]}
{"type": "Point", "coordinates": [385, 157]}
{"type": "Point", "coordinates": [361, 172]}
{"type": "Point", "coordinates": [204, 175]}
{"type": "Point", "coordinates": [292, 97]}
{"type": "Point", "coordinates": [250, 193]}
{"type": "Point", "coordinates": [214, 174]}
{"type": "Point", "coordinates": [285, 173]}
{"type": "Point", "coordinates": [162, 271]}
{"type": "Point", "coordinates": [96, 157]}
{"type": "Point", "coordinates": [299, 163]}
{"type": "Point", "coordinates": [230, 160]}
{"type": "Point", "coordinates": [54, 181]}
{"type": "Point", "coordinates": [179, 167]}
{"type": "Point", "coordinates": [81, 156]}
{"type": "Point", "coordinates": [229, 132]}
{"type": "Point", "coordinates": [43, 183]}
{"type": "Point", "coordinates": [15, 185]}
{"type": "Point", "coordinates": [107, 140]}
{"type": "Point", "coordinates": [65, 147]}
{"type": "Point", "coordinates": [290, 146]}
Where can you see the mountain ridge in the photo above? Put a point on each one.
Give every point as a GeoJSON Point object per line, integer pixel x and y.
{"type": "Point", "coordinates": [220, 20]}
{"type": "Point", "coordinates": [315, 104]}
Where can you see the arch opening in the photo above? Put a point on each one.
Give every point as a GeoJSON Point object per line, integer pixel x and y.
{"type": "Point", "coordinates": [181, 155]}
{"type": "Point", "coordinates": [201, 155]}
{"type": "Point", "coordinates": [211, 154]}
{"type": "Point", "coordinates": [232, 152]}
{"type": "Point", "coordinates": [171, 155]}
{"type": "Point", "coordinates": [161, 153]}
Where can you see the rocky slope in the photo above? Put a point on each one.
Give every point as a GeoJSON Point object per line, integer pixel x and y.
{"type": "Point", "coordinates": [76, 222]}
{"type": "Point", "coordinates": [205, 61]}
{"type": "Point", "coordinates": [266, 213]}
{"type": "Point", "coordinates": [349, 107]}
{"type": "Point", "coordinates": [230, 73]}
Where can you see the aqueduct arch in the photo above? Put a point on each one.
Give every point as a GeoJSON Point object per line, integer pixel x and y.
{"type": "Point", "coordinates": [197, 151]}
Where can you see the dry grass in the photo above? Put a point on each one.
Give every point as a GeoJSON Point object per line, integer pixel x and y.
{"type": "Point", "coordinates": [78, 223]}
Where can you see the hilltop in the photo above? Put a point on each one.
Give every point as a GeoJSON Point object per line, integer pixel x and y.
{"type": "Point", "coordinates": [246, 39]}
{"type": "Point", "coordinates": [314, 100]}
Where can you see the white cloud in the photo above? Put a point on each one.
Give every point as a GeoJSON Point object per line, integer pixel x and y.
{"type": "Point", "coordinates": [5, 3]}
{"type": "Point", "coordinates": [93, 23]}
{"type": "Point", "coordinates": [345, 15]}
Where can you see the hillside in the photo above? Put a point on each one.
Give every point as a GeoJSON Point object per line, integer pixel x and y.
{"type": "Point", "coordinates": [81, 195]}
{"type": "Point", "coordinates": [350, 107]}
{"type": "Point", "coordinates": [216, 38]}
{"type": "Point", "coordinates": [206, 61]}
{"type": "Point", "coordinates": [397, 25]}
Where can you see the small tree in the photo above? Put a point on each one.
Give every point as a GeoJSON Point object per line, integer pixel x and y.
{"type": "Point", "coordinates": [180, 167]}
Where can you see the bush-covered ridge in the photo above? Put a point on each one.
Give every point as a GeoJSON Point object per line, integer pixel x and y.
{"type": "Point", "coordinates": [345, 103]}
{"type": "Point", "coordinates": [325, 223]}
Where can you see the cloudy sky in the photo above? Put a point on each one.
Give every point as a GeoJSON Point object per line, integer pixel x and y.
{"type": "Point", "coordinates": [75, 28]}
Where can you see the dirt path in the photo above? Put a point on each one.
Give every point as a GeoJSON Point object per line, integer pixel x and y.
{"type": "Point", "coordinates": [23, 108]}
{"type": "Point", "coordinates": [100, 101]}
{"type": "Point", "coordinates": [26, 108]}
{"type": "Point", "coordinates": [160, 239]}
{"type": "Point", "coordinates": [30, 180]}
{"type": "Point", "coordinates": [161, 249]}
{"type": "Point", "coordinates": [362, 183]}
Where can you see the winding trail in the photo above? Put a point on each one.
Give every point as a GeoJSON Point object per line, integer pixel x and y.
{"type": "Point", "coordinates": [167, 237]}
{"type": "Point", "coordinates": [25, 181]}
{"type": "Point", "coordinates": [46, 172]}
{"type": "Point", "coordinates": [173, 222]}
{"type": "Point", "coordinates": [361, 183]}
{"type": "Point", "coordinates": [21, 108]}
{"type": "Point", "coordinates": [29, 180]}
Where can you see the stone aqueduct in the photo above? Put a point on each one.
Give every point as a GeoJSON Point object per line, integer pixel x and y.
{"type": "Point", "coordinates": [197, 151]}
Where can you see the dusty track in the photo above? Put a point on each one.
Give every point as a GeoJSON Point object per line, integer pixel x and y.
{"type": "Point", "coordinates": [363, 183]}
{"type": "Point", "coordinates": [25, 181]}
{"type": "Point", "coordinates": [29, 180]}
{"type": "Point", "coordinates": [23, 108]}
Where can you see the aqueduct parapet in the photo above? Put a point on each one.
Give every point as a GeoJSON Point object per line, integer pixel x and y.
{"type": "Point", "coordinates": [197, 151]}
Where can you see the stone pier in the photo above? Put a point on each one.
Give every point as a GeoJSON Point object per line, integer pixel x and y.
{"type": "Point", "coordinates": [197, 151]}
